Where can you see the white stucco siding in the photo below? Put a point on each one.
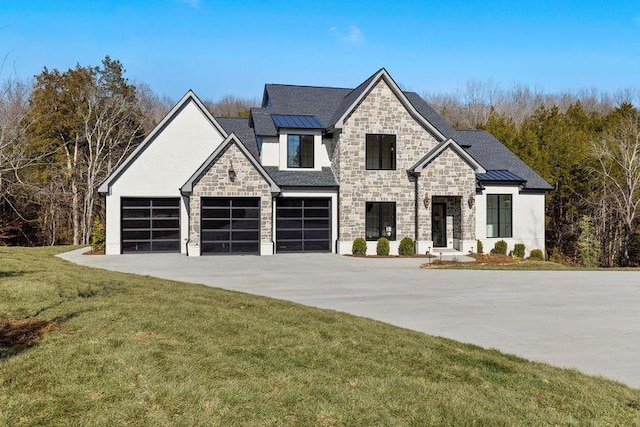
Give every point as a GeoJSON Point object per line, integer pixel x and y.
{"type": "Point", "coordinates": [527, 218]}
{"type": "Point", "coordinates": [270, 152]}
{"type": "Point", "coordinates": [166, 163]}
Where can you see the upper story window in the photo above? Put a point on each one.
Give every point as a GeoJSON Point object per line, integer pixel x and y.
{"type": "Point", "coordinates": [300, 151]}
{"type": "Point", "coordinates": [381, 151]}
{"type": "Point", "coordinates": [499, 214]}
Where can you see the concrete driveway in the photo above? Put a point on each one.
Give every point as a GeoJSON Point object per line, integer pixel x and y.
{"type": "Point", "coordinates": [584, 320]}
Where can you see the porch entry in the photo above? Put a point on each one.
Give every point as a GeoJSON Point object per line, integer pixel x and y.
{"type": "Point", "coordinates": [446, 222]}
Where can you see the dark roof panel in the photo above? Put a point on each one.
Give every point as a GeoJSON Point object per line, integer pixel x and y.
{"type": "Point", "coordinates": [296, 122]}
{"type": "Point", "coordinates": [499, 176]}
{"type": "Point", "coordinates": [303, 178]}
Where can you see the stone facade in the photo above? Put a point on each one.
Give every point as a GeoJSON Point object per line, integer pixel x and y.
{"type": "Point", "coordinates": [448, 175]}
{"type": "Point", "coordinates": [248, 183]}
{"type": "Point", "coordinates": [380, 112]}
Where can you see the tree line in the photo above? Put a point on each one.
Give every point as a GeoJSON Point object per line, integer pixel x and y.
{"type": "Point", "coordinates": [61, 135]}
{"type": "Point", "coordinates": [585, 144]}
{"type": "Point", "coordinates": [63, 132]}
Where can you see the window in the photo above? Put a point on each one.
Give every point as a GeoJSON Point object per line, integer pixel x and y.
{"type": "Point", "coordinates": [499, 215]}
{"type": "Point", "coordinates": [381, 151]}
{"type": "Point", "coordinates": [299, 151]}
{"type": "Point", "coordinates": [380, 220]}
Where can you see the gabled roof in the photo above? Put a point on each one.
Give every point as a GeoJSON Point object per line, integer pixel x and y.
{"type": "Point", "coordinates": [493, 155]}
{"type": "Point", "coordinates": [187, 188]}
{"type": "Point", "coordinates": [438, 149]}
{"type": "Point", "coordinates": [190, 96]}
{"type": "Point", "coordinates": [240, 127]}
{"type": "Point", "coordinates": [352, 100]}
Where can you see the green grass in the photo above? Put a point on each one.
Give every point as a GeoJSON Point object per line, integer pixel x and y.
{"type": "Point", "coordinates": [137, 350]}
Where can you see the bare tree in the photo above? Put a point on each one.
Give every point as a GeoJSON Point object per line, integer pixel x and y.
{"type": "Point", "coordinates": [618, 153]}
{"type": "Point", "coordinates": [230, 106]}
{"type": "Point", "coordinates": [153, 107]}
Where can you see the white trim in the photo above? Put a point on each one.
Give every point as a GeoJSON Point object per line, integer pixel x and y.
{"type": "Point", "coordinates": [434, 153]}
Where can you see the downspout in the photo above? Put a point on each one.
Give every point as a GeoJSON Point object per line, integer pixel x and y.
{"type": "Point", "coordinates": [188, 206]}
{"type": "Point", "coordinates": [335, 244]}
{"type": "Point", "coordinates": [416, 204]}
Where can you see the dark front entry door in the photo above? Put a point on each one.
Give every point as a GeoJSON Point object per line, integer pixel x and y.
{"type": "Point", "coordinates": [439, 225]}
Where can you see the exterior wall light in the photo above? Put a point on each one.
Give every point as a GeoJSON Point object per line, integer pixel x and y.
{"type": "Point", "coordinates": [426, 201]}
{"type": "Point", "coordinates": [232, 173]}
{"type": "Point", "coordinates": [472, 200]}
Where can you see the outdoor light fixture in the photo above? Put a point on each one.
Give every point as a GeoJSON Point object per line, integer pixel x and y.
{"type": "Point", "coordinates": [426, 201]}
{"type": "Point", "coordinates": [232, 173]}
{"type": "Point", "coordinates": [472, 200]}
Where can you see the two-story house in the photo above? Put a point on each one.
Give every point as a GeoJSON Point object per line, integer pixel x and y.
{"type": "Point", "coordinates": [313, 169]}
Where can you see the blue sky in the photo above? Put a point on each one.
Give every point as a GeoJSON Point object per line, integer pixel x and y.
{"type": "Point", "coordinates": [218, 48]}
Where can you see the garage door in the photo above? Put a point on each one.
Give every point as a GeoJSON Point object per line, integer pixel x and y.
{"type": "Point", "coordinates": [303, 225]}
{"type": "Point", "coordinates": [150, 225]}
{"type": "Point", "coordinates": [230, 225]}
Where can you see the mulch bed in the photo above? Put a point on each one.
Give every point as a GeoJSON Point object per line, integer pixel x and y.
{"type": "Point", "coordinates": [19, 334]}
{"type": "Point", "coordinates": [92, 252]}
{"type": "Point", "coordinates": [391, 256]}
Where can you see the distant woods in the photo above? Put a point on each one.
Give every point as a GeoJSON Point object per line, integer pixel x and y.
{"type": "Point", "coordinates": [63, 132]}
{"type": "Point", "coordinates": [586, 144]}
{"type": "Point", "coordinates": [61, 135]}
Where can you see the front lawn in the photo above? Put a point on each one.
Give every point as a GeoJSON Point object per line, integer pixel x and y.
{"type": "Point", "coordinates": [81, 346]}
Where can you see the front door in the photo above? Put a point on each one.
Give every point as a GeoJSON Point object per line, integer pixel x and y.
{"type": "Point", "coordinates": [439, 225]}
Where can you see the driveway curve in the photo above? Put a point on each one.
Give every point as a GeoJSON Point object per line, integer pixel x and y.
{"type": "Point", "coordinates": [575, 319]}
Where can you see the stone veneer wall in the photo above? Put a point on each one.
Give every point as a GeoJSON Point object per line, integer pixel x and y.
{"type": "Point", "coordinates": [248, 183]}
{"type": "Point", "coordinates": [448, 175]}
{"type": "Point", "coordinates": [380, 112]}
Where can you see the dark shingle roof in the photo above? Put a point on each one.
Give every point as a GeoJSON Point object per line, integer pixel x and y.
{"type": "Point", "coordinates": [240, 127]}
{"type": "Point", "coordinates": [493, 155]}
{"type": "Point", "coordinates": [302, 178]}
{"type": "Point", "coordinates": [328, 104]}
{"type": "Point", "coordinates": [321, 102]}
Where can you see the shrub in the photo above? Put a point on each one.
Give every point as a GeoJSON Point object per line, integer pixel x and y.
{"type": "Point", "coordinates": [588, 244]}
{"type": "Point", "coordinates": [97, 235]}
{"type": "Point", "coordinates": [479, 247]}
{"type": "Point", "coordinates": [501, 247]}
{"type": "Point", "coordinates": [518, 250]}
{"type": "Point", "coordinates": [536, 254]}
{"type": "Point", "coordinates": [383, 246]}
{"type": "Point", "coordinates": [406, 246]}
{"type": "Point", "coordinates": [359, 247]}
{"type": "Point", "coordinates": [556, 256]}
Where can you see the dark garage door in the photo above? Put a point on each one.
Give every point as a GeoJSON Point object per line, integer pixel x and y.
{"type": "Point", "coordinates": [150, 225]}
{"type": "Point", "coordinates": [230, 225]}
{"type": "Point", "coordinates": [303, 225]}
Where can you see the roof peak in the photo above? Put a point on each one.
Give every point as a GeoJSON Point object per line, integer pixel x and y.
{"type": "Point", "coordinates": [309, 86]}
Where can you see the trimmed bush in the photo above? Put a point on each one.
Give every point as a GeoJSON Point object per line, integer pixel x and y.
{"type": "Point", "coordinates": [518, 250]}
{"type": "Point", "coordinates": [536, 255]}
{"type": "Point", "coordinates": [359, 247]}
{"type": "Point", "coordinates": [480, 247]}
{"type": "Point", "coordinates": [406, 247]}
{"type": "Point", "coordinates": [383, 246]}
{"type": "Point", "coordinates": [98, 236]}
{"type": "Point", "coordinates": [501, 247]}
{"type": "Point", "coordinates": [556, 256]}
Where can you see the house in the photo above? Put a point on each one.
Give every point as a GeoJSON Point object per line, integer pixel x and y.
{"type": "Point", "coordinates": [313, 169]}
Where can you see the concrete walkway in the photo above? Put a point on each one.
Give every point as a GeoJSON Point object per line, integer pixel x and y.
{"type": "Point", "coordinates": [584, 320]}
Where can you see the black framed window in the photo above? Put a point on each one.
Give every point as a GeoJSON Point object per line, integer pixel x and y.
{"type": "Point", "coordinates": [381, 151]}
{"type": "Point", "coordinates": [499, 215]}
{"type": "Point", "coordinates": [299, 151]}
{"type": "Point", "coordinates": [380, 220]}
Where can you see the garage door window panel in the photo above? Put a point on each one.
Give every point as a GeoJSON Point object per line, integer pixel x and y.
{"type": "Point", "coordinates": [150, 225]}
